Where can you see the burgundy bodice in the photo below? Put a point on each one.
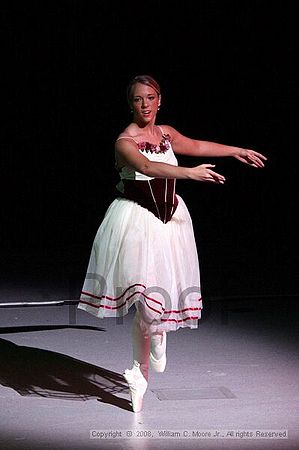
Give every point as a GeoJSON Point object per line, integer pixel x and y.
{"type": "Point", "coordinates": [157, 195]}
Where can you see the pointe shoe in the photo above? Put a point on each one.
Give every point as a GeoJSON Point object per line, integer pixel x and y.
{"type": "Point", "coordinates": [137, 385]}
{"type": "Point", "coordinates": [158, 352]}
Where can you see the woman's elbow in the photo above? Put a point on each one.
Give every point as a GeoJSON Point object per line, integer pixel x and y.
{"type": "Point", "coordinates": [146, 169]}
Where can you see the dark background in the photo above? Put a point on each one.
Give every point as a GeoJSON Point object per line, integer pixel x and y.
{"type": "Point", "coordinates": [228, 73]}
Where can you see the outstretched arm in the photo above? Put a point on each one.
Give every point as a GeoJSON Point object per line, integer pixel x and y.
{"type": "Point", "coordinates": [186, 146]}
{"type": "Point", "coordinates": [127, 154]}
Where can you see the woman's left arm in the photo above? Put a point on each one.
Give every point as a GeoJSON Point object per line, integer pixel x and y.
{"type": "Point", "coordinates": [186, 146]}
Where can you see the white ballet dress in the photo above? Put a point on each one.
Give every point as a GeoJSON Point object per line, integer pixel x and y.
{"type": "Point", "coordinates": [145, 255]}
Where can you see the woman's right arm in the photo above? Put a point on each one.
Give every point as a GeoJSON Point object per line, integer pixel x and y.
{"type": "Point", "coordinates": [129, 155]}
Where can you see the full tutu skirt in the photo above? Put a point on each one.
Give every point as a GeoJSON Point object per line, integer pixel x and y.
{"type": "Point", "coordinates": [137, 259]}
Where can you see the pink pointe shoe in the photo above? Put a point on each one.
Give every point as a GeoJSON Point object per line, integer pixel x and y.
{"type": "Point", "coordinates": [158, 352]}
{"type": "Point", "coordinates": [137, 385]}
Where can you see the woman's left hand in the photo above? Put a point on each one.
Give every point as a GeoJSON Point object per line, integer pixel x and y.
{"type": "Point", "coordinates": [251, 157]}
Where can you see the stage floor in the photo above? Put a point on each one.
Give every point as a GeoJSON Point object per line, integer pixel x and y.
{"type": "Point", "coordinates": [225, 384]}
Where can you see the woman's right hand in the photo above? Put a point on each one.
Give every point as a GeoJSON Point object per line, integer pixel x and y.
{"type": "Point", "coordinates": [205, 173]}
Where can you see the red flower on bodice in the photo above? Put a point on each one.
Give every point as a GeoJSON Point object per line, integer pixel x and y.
{"type": "Point", "coordinates": [152, 148]}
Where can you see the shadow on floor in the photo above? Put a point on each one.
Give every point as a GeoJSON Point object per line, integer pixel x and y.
{"type": "Point", "coordinates": [33, 371]}
{"type": "Point", "coordinates": [27, 329]}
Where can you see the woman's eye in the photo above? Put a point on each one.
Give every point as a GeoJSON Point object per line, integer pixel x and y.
{"type": "Point", "coordinates": [151, 98]}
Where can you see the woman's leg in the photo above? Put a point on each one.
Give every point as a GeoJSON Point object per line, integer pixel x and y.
{"type": "Point", "coordinates": [147, 347]}
{"type": "Point", "coordinates": [137, 377]}
{"type": "Point", "coordinates": [141, 344]}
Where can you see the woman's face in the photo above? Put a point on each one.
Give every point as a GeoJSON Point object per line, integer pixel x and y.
{"type": "Point", "coordinates": [144, 102]}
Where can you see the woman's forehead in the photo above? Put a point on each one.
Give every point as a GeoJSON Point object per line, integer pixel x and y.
{"type": "Point", "coordinates": [142, 89]}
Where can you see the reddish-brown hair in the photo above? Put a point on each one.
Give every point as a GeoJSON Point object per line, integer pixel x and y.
{"type": "Point", "coordinates": [143, 79]}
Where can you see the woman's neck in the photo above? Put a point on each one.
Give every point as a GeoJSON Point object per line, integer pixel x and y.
{"type": "Point", "coordinates": [151, 130]}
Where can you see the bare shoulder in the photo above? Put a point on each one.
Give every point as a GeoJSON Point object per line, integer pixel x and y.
{"type": "Point", "coordinates": [168, 129]}
{"type": "Point", "coordinates": [128, 133]}
{"type": "Point", "coordinates": [126, 143]}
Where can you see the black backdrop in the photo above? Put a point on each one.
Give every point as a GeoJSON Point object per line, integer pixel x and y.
{"type": "Point", "coordinates": [228, 73]}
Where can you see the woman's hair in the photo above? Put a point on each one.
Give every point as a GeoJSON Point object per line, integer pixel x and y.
{"type": "Point", "coordinates": [143, 79]}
